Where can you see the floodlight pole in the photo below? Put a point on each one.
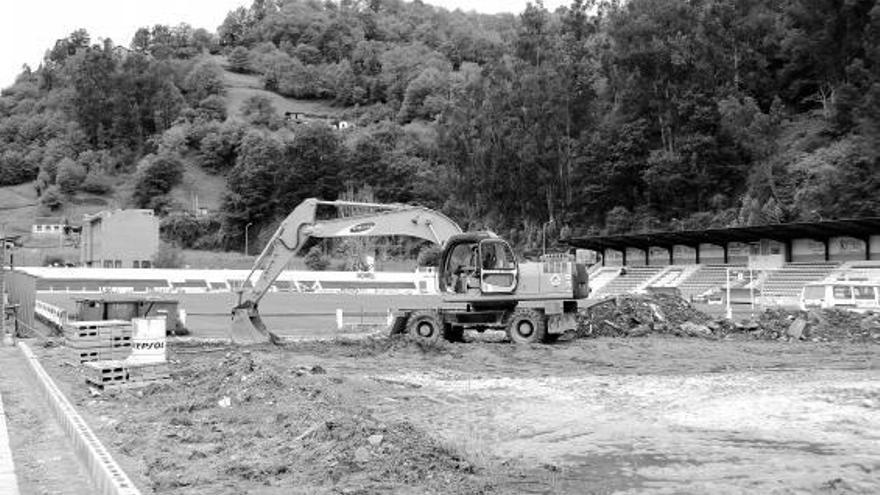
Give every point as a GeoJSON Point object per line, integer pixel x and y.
{"type": "Point", "coordinates": [246, 237]}
{"type": "Point", "coordinates": [729, 310]}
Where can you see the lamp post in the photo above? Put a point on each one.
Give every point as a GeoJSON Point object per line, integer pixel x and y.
{"type": "Point", "coordinates": [246, 237]}
{"type": "Point", "coordinates": [544, 235]}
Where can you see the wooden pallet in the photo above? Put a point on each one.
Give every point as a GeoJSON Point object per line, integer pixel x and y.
{"type": "Point", "coordinates": [128, 385]}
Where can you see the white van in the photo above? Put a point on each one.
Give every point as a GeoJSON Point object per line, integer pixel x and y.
{"type": "Point", "coordinates": [844, 294]}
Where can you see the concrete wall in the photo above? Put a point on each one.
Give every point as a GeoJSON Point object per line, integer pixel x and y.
{"type": "Point", "coordinates": [710, 254]}
{"type": "Point", "coordinates": [846, 249]}
{"type": "Point", "coordinates": [684, 255]}
{"type": "Point", "coordinates": [875, 247]}
{"type": "Point", "coordinates": [613, 257]}
{"type": "Point", "coordinates": [803, 250]}
{"type": "Point", "coordinates": [635, 257]}
{"type": "Point", "coordinates": [22, 290]}
{"type": "Point", "coordinates": [659, 256]}
{"type": "Point", "coordinates": [118, 239]}
{"type": "Point", "coordinates": [738, 253]}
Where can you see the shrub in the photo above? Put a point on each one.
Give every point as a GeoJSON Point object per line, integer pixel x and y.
{"type": "Point", "coordinates": [315, 259]}
{"type": "Point", "coordinates": [429, 256]}
{"type": "Point", "coordinates": [156, 176]}
{"type": "Point", "coordinates": [213, 108]}
{"type": "Point", "coordinates": [168, 256]}
{"type": "Point", "coordinates": [96, 184]}
{"type": "Point", "coordinates": [240, 60]}
{"type": "Point", "coordinates": [52, 198]}
{"type": "Point", "coordinates": [70, 176]}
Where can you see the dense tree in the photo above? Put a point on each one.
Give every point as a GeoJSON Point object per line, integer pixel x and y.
{"type": "Point", "coordinates": [156, 175]}
{"type": "Point", "coordinates": [614, 116]}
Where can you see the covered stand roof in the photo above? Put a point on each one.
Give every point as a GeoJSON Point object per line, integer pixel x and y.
{"type": "Point", "coordinates": [782, 232]}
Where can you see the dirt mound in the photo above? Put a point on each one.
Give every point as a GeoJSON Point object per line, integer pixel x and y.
{"type": "Point", "coordinates": [827, 325]}
{"type": "Point", "coordinates": [252, 422]}
{"type": "Point", "coordinates": [640, 315]}
{"type": "Point", "coordinates": [382, 345]}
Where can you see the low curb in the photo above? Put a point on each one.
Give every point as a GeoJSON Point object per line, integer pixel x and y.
{"type": "Point", "coordinates": [106, 474]}
{"type": "Point", "coordinates": [8, 480]}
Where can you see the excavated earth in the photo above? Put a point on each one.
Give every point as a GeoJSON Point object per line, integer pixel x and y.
{"type": "Point", "coordinates": [657, 414]}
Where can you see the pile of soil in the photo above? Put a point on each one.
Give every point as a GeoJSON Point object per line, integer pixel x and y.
{"type": "Point", "coordinates": [251, 422]}
{"type": "Point", "coordinates": [632, 315]}
{"type": "Point", "coordinates": [640, 315]}
{"type": "Point", "coordinates": [827, 325]}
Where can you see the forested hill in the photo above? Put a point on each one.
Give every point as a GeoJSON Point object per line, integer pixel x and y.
{"type": "Point", "coordinates": [604, 117]}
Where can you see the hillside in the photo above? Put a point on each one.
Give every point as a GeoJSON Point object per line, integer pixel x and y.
{"type": "Point", "coordinates": [239, 87]}
{"type": "Point", "coordinates": [628, 117]}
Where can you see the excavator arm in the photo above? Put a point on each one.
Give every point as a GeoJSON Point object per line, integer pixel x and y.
{"type": "Point", "coordinates": [374, 220]}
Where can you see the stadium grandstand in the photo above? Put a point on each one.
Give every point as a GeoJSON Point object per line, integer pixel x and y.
{"type": "Point", "coordinates": [773, 261]}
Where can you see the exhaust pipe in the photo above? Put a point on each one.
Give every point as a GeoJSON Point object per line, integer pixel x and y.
{"type": "Point", "coordinates": [248, 328]}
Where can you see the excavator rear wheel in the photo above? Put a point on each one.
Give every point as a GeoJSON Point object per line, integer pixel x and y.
{"type": "Point", "coordinates": [426, 326]}
{"type": "Point", "coordinates": [527, 326]}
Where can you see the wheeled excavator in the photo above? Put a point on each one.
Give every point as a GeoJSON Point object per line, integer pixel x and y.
{"type": "Point", "coordinates": [482, 285]}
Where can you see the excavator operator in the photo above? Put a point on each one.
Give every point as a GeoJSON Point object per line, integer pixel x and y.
{"type": "Point", "coordinates": [467, 273]}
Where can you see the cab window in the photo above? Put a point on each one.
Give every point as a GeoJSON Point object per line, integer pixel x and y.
{"type": "Point", "coordinates": [842, 292]}
{"type": "Point", "coordinates": [496, 256]}
{"type": "Point", "coordinates": [864, 293]}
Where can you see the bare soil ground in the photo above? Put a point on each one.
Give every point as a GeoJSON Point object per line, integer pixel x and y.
{"type": "Point", "coordinates": [654, 415]}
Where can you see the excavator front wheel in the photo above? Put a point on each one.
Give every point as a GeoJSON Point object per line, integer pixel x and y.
{"type": "Point", "coordinates": [426, 326]}
{"type": "Point", "coordinates": [527, 326]}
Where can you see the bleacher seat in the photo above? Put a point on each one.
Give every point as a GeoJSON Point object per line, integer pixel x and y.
{"type": "Point", "coordinates": [789, 280]}
{"type": "Point", "coordinates": [634, 277]}
{"type": "Point", "coordinates": [709, 277]}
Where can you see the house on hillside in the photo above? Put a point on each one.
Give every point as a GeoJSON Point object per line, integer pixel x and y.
{"type": "Point", "coordinates": [119, 239]}
{"type": "Point", "coordinates": [47, 226]}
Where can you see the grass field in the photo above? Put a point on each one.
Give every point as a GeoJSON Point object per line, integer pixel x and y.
{"type": "Point", "coordinates": [240, 87]}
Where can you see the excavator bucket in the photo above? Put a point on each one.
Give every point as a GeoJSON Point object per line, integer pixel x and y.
{"type": "Point", "coordinates": [248, 328]}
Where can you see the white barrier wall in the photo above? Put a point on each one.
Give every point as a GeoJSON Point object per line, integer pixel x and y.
{"type": "Point", "coordinates": [306, 280]}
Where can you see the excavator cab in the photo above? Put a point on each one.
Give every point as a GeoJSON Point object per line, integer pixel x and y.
{"type": "Point", "coordinates": [478, 263]}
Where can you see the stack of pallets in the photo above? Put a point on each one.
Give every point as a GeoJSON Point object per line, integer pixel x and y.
{"type": "Point", "coordinates": [97, 340]}
{"type": "Point", "coordinates": [116, 374]}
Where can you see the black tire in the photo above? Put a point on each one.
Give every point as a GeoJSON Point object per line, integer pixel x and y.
{"type": "Point", "coordinates": [425, 326]}
{"type": "Point", "coordinates": [527, 326]}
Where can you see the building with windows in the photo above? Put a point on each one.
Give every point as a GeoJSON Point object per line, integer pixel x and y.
{"type": "Point", "coordinates": [47, 226]}
{"type": "Point", "coordinates": [119, 239]}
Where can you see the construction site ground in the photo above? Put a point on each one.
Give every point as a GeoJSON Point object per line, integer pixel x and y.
{"type": "Point", "coordinates": [658, 414]}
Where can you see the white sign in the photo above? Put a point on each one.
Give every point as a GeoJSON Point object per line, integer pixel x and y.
{"type": "Point", "coordinates": [147, 340]}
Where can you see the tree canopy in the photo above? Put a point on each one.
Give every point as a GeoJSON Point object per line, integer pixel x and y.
{"type": "Point", "coordinates": [598, 116]}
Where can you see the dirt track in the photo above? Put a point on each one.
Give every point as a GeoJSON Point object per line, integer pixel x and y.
{"type": "Point", "coordinates": [664, 415]}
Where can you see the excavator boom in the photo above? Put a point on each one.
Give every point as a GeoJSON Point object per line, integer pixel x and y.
{"type": "Point", "coordinates": [371, 219]}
